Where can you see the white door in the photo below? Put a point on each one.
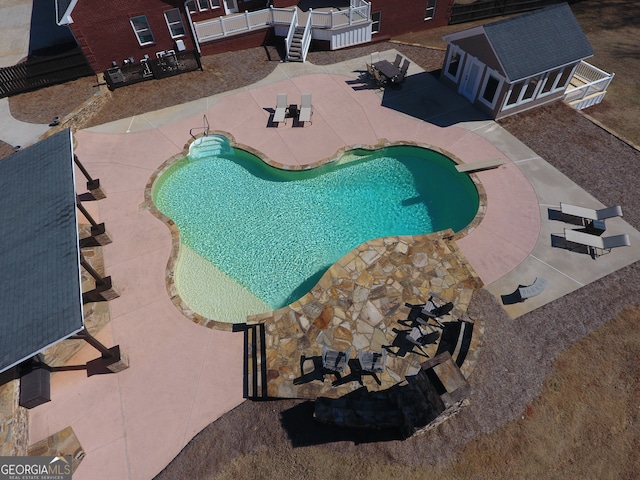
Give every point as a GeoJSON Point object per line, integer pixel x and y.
{"type": "Point", "coordinates": [471, 78]}
{"type": "Point", "coordinates": [231, 6]}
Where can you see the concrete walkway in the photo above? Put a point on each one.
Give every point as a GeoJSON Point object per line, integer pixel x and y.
{"type": "Point", "coordinates": [184, 376]}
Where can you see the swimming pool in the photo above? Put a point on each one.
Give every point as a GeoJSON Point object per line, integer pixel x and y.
{"type": "Point", "coordinates": [273, 233]}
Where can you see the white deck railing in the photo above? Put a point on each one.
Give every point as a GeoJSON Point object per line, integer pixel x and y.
{"type": "Point", "coordinates": [206, 30]}
{"type": "Point", "coordinates": [586, 81]}
{"type": "Point", "coordinates": [242, 22]}
{"type": "Point", "coordinates": [359, 12]}
{"type": "Point", "coordinates": [306, 39]}
{"type": "Point", "coordinates": [292, 29]}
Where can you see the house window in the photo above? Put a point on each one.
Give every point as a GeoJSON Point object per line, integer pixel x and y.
{"type": "Point", "coordinates": [142, 30]}
{"type": "Point", "coordinates": [452, 69]}
{"type": "Point", "coordinates": [174, 22]}
{"type": "Point", "coordinates": [430, 10]}
{"type": "Point", "coordinates": [490, 88]}
{"type": "Point", "coordinates": [203, 4]}
{"type": "Point", "coordinates": [215, 3]}
{"type": "Point", "coordinates": [375, 22]}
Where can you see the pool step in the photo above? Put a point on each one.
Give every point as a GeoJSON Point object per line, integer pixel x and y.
{"type": "Point", "coordinates": [210, 145]}
{"type": "Point", "coordinates": [255, 384]}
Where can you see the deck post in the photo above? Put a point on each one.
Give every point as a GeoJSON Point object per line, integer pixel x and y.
{"type": "Point", "coordinates": [104, 290]}
{"type": "Point", "coordinates": [93, 185]}
{"type": "Point", "coordinates": [99, 235]}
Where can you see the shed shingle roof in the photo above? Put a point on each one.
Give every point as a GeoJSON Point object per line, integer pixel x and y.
{"type": "Point", "coordinates": [40, 289]}
{"type": "Point", "coordinates": [538, 41]}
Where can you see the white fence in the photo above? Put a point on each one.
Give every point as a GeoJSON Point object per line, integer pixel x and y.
{"type": "Point", "coordinates": [587, 80]}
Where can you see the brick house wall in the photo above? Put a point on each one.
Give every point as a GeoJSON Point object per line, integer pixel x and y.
{"type": "Point", "coordinates": [104, 32]}
{"type": "Point", "coordinates": [403, 16]}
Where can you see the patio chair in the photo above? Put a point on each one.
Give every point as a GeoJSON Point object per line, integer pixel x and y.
{"type": "Point", "coordinates": [375, 57]}
{"type": "Point", "coordinates": [370, 70]}
{"type": "Point", "coordinates": [591, 217]}
{"type": "Point", "coordinates": [380, 79]}
{"type": "Point", "coordinates": [599, 245]}
{"type": "Point", "coordinates": [435, 307]}
{"type": "Point", "coordinates": [523, 292]}
{"type": "Point", "coordinates": [396, 62]}
{"type": "Point", "coordinates": [334, 361]}
{"type": "Point", "coordinates": [372, 361]}
{"type": "Point", "coordinates": [534, 289]}
{"type": "Point", "coordinates": [281, 109]}
{"type": "Point", "coordinates": [403, 72]}
{"type": "Point", "coordinates": [306, 109]}
{"type": "Point", "coordinates": [421, 336]}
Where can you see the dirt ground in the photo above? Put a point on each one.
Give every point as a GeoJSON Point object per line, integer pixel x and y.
{"type": "Point", "coordinates": [542, 405]}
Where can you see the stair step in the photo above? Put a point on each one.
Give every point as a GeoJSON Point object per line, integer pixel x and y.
{"type": "Point", "coordinates": [255, 365]}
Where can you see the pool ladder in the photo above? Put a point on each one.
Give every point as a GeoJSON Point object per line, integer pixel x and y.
{"type": "Point", "coordinates": [205, 127]}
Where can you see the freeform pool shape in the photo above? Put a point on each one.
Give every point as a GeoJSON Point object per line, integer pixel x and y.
{"type": "Point", "coordinates": [258, 238]}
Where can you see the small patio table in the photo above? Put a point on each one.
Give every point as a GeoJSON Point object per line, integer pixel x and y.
{"type": "Point", "coordinates": [388, 69]}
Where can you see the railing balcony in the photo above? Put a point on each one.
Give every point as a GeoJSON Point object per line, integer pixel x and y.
{"type": "Point", "coordinates": [207, 30]}
{"type": "Point", "coordinates": [241, 22]}
{"type": "Point", "coordinates": [587, 81]}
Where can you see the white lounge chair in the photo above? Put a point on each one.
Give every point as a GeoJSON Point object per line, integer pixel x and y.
{"type": "Point", "coordinates": [281, 109]}
{"type": "Point", "coordinates": [590, 213]}
{"type": "Point", "coordinates": [306, 109]}
{"type": "Point", "coordinates": [601, 245]}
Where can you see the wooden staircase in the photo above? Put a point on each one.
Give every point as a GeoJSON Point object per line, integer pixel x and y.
{"type": "Point", "coordinates": [255, 364]}
{"type": "Point", "coordinates": [295, 51]}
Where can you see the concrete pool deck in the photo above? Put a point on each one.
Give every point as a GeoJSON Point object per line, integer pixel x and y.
{"type": "Point", "coordinates": [183, 376]}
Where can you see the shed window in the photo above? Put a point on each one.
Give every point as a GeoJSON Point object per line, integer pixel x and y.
{"type": "Point", "coordinates": [564, 78]}
{"type": "Point", "coordinates": [430, 11]}
{"type": "Point", "coordinates": [514, 95]}
{"type": "Point", "coordinates": [491, 88]}
{"type": "Point", "coordinates": [531, 88]}
{"type": "Point", "coordinates": [174, 22]}
{"type": "Point", "coordinates": [549, 83]}
{"type": "Point", "coordinates": [556, 80]}
{"type": "Point", "coordinates": [142, 30]}
{"type": "Point", "coordinates": [452, 69]}
{"type": "Point", "coordinates": [375, 22]}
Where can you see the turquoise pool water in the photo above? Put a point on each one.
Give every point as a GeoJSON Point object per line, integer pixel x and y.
{"type": "Point", "coordinates": [276, 232]}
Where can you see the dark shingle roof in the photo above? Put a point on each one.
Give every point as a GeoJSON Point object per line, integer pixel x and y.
{"type": "Point", "coordinates": [40, 289]}
{"type": "Point", "coordinates": [538, 41]}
